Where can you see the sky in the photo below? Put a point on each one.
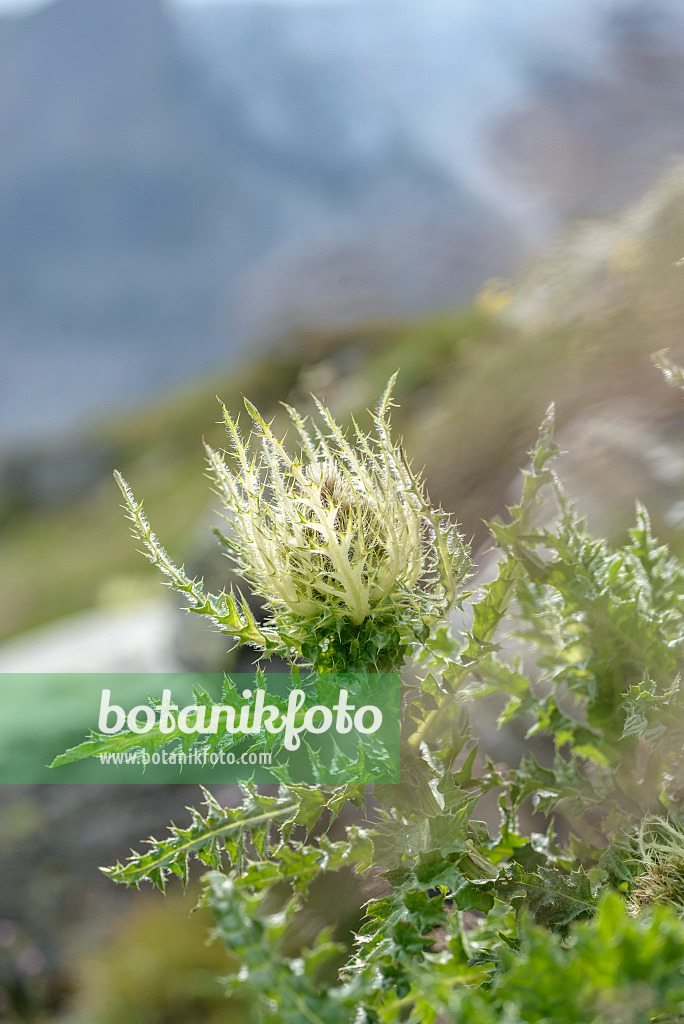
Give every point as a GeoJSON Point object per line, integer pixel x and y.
{"type": "Point", "coordinates": [25, 6]}
{"type": "Point", "coordinates": [21, 6]}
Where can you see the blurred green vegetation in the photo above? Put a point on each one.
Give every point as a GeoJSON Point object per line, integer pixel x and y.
{"type": "Point", "coordinates": [159, 967]}
{"type": "Point", "coordinates": [156, 966]}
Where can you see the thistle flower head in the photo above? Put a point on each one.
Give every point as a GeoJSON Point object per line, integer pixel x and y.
{"type": "Point", "coordinates": [660, 845]}
{"type": "Point", "coordinates": [339, 530]}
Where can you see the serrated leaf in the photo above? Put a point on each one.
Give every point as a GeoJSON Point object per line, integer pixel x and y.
{"type": "Point", "coordinates": [555, 898]}
{"type": "Point", "coordinates": [220, 831]}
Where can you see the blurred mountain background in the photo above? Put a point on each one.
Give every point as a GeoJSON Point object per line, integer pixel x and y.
{"type": "Point", "coordinates": [273, 199]}
{"type": "Point", "coordinates": [182, 182]}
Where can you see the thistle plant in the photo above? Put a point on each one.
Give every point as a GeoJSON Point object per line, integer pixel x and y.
{"type": "Point", "coordinates": [477, 921]}
{"type": "Point", "coordinates": [339, 539]}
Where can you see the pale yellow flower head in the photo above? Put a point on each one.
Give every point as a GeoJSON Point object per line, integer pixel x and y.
{"type": "Point", "coordinates": [660, 846]}
{"type": "Point", "coordinates": [340, 528]}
